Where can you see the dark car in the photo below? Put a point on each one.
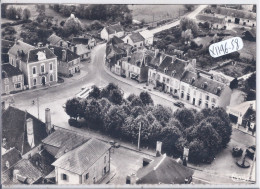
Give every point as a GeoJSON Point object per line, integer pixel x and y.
{"type": "Point", "coordinates": [250, 153]}
{"type": "Point", "coordinates": [237, 152]}
{"type": "Point", "coordinates": [123, 75]}
{"type": "Point", "coordinates": [178, 104]}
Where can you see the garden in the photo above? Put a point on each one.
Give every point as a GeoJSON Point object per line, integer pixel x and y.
{"type": "Point", "coordinates": [204, 132]}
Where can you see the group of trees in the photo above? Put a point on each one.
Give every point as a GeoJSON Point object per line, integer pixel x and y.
{"type": "Point", "coordinates": [12, 13]}
{"type": "Point", "coordinates": [204, 132]}
{"type": "Point", "coordinates": [100, 12]}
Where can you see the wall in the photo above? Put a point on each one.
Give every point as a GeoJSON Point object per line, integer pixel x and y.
{"type": "Point", "coordinates": [97, 170]}
{"type": "Point", "coordinates": [104, 34]}
{"type": "Point", "coordinates": [47, 72]}
{"type": "Point", "coordinates": [11, 83]}
{"type": "Point", "coordinates": [64, 67]}
{"type": "Point", "coordinates": [72, 178]}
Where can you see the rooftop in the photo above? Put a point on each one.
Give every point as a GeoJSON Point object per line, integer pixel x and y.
{"type": "Point", "coordinates": [9, 71]}
{"type": "Point", "coordinates": [82, 49]}
{"type": "Point", "coordinates": [26, 173]}
{"type": "Point", "coordinates": [163, 170]}
{"type": "Point", "coordinates": [146, 34]}
{"type": "Point", "coordinates": [80, 40]}
{"type": "Point", "coordinates": [54, 39]}
{"type": "Point", "coordinates": [69, 54]}
{"type": "Point", "coordinates": [136, 37]}
{"type": "Point", "coordinates": [15, 132]}
{"type": "Point", "coordinates": [114, 28]}
{"type": "Point", "coordinates": [32, 55]}
{"type": "Point", "coordinates": [20, 46]}
{"type": "Point", "coordinates": [211, 18]}
{"type": "Point", "coordinates": [204, 83]}
{"type": "Point", "coordinates": [82, 157]}
{"type": "Point", "coordinates": [12, 156]}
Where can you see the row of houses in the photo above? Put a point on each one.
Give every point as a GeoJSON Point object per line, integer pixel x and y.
{"type": "Point", "coordinates": [174, 76]}
{"type": "Point", "coordinates": [34, 152]}
{"type": "Point", "coordinates": [29, 66]}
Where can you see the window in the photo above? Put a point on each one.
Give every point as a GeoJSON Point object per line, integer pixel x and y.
{"type": "Point", "coordinates": [51, 66]}
{"type": "Point", "coordinates": [42, 68]}
{"type": "Point", "coordinates": [51, 77]}
{"type": "Point", "coordinates": [34, 82]}
{"type": "Point", "coordinates": [182, 94]}
{"type": "Point", "coordinates": [34, 70]}
{"type": "Point", "coordinates": [105, 159]}
{"type": "Point", "coordinates": [19, 78]}
{"type": "Point", "coordinates": [206, 105]}
{"type": "Point", "coordinates": [168, 80]}
{"type": "Point", "coordinates": [164, 79]}
{"type": "Point", "coordinates": [207, 97]}
{"type": "Point", "coordinates": [14, 78]}
{"type": "Point", "coordinates": [87, 176]}
{"type": "Point", "coordinates": [12, 62]}
{"type": "Point", "coordinates": [213, 106]}
{"type": "Point", "coordinates": [6, 80]}
{"type": "Point", "coordinates": [18, 85]}
{"type": "Point", "coordinates": [64, 176]}
{"type": "Point", "coordinates": [213, 100]}
{"type": "Point", "coordinates": [199, 102]}
{"type": "Point", "coordinates": [188, 97]}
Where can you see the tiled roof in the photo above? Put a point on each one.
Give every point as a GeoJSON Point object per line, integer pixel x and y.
{"type": "Point", "coordinates": [80, 40]}
{"type": "Point", "coordinates": [12, 156]}
{"type": "Point", "coordinates": [114, 29]}
{"type": "Point", "coordinates": [20, 46]}
{"type": "Point", "coordinates": [64, 140]}
{"type": "Point", "coordinates": [203, 83]}
{"type": "Point", "coordinates": [163, 170]}
{"type": "Point", "coordinates": [33, 57]}
{"type": "Point", "coordinates": [9, 71]}
{"type": "Point", "coordinates": [27, 172]}
{"type": "Point", "coordinates": [81, 158]}
{"type": "Point", "coordinates": [69, 54]}
{"type": "Point", "coordinates": [115, 40]}
{"type": "Point", "coordinates": [54, 39]}
{"type": "Point", "coordinates": [15, 132]}
{"type": "Point", "coordinates": [82, 49]}
{"type": "Point", "coordinates": [172, 64]}
{"type": "Point", "coordinates": [136, 37]}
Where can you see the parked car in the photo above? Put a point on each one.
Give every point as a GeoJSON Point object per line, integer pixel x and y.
{"type": "Point", "coordinates": [237, 152]}
{"type": "Point", "coordinates": [123, 75]}
{"type": "Point", "coordinates": [179, 104]}
{"type": "Point", "coordinates": [250, 153]}
{"type": "Point", "coordinates": [114, 144]}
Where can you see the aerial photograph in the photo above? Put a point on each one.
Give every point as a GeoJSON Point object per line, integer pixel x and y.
{"type": "Point", "coordinates": [128, 94]}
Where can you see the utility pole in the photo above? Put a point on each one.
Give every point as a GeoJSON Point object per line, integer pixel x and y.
{"type": "Point", "coordinates": [139, 136]}
{"type": "Point", "coordinates": [38, 107]}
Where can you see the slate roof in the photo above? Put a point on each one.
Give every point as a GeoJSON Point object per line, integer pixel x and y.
{"type": "Point", "coordinates": [25, 169]}
{"type": "Point", "coordinates": [163, 170]}
{"type": "Point", "coordinates": [64, 140]}
{"type": "Point", "coordinates": [9, 71]}
{"type": "Point", "coordinates": [31, 56]}
{"type": "Point", "coordinates": [80, 40]}
{"type": "Point", "coordinates": [114, 28]}
{"type": "Point", "coordinates": [20, 46]}
{"type": "Point", "coordinates": [137, 58]}
{"type": "Point", "coordinates": [115, 40]}
{"type": "Point", "coordinates": [136, 37]}
{"type": "Point", "coordinates": [83, 157]}
{"type": "Point", "coordinates": [15, 132]}
{"type": "Point", "coordinates": [12, 156]}
{"type": "Point", "coordinates": [203, 83]}
{"type": "Point", "coordinates": [54, 39]}
{"type": "Point", "coordinates": [171, 64]}
{"type": "Point", "coordinates": [70, 55]}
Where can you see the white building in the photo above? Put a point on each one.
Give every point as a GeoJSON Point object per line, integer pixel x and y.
{"type": "Point", "coordinates": [148, 37]}
{"type": "Point", "coordinates": [113, 30]}
{"type": "Point", "coordinates": [134, 39]}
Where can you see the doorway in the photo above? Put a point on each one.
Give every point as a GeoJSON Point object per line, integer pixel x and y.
{"type": "Point", "coordinates": [43, 80]}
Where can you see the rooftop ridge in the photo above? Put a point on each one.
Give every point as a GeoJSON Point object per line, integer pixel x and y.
{"type": "Point", "coordinates": [164, 156]}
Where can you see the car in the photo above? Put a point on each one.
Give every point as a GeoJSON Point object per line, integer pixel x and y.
{"type": "Point", "coordinates": [250, 153]}
{"type": "Point", "coordinates": [237, 152]}
{"type": "Point", "coordinates": [123, 75]}
{"type": "Point", "coordinates": [179, 104]}
{"type": "Point", "coordinates": [116, 145]}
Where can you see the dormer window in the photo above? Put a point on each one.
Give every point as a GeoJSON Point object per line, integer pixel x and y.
{"type": "Point", "coordinates": [173, 72]}
{"type": "Point", "coordinates": [7, 164]}
{"type": "Point", "coordinates": [165, 70]}
{"type": "Point", "coordinates": [41, 55]}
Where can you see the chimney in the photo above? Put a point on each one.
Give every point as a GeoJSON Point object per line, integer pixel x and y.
{"type": "Point", "coordinates": [4, 142]}
{"type": "Point", "coordinates": [15, 173]}
{"type": "Point", "coordinates": [61, 43]}
{"type": "Point", "coordinates": [63, 55]}
{"type": "Point", "coordinates": [52, 50]}
{"type": "Point", "coordinates": [198, 74]}
{"type": "Point", "coordinates": [48, 120]}
{"type": "Point", "coordinates": [30, 134]}
{"type": "Point", "coordinates": [161, 59]}
{"type": "Point", "coordinates": [158, 148]}
{"type": "Point", "coordinates": [156, 51]}
{"type": "Point", "coordinates": [75, 49]}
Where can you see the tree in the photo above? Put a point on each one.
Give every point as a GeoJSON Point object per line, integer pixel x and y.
{"type": "Point", "coordinates": [131, 97]}
{"type": "Point", "coordinates": [187, 35]}
{"type": "Point", "coordinates": [136, 111]}
{"type": "Point", "coordinates": [197, 151]}
{"type": "Point", "coordinates": [11, 13]}
{"type": "Point", "coordinates": [105, 104]}
{"type": "Point", "coordinates": [93, 112]}
{"type": "Point", "coordinates": [188, 23]}
{"type": "Point", "coordinates": [116, 96]}
{"type": "Point", "coordinates": [234, 84]}
{"type": "Point", "coordinates": [72, 25]}
{"type": "Point", "coordinates": [26, 14]}
{"type": "Point", "coordinates": [215, 38]}
{"type": "Point", "coordinates": [185, 117]}
{"type": "Point", "coordinates": [189, 7]}
{"type": "Point", "coordinates": [95, 93]}
{"type": "Point", "coordinates": [162, 114]}
{"type": "Point", "coordinates": [146, 98]}
{"type": "Point", "coordinates": [136, 101]}
{"type": "Point", "coordinates": [174, 123]}
{"type": "Point", "coordinates": [251, 82]}
{"type": "Point", "coordinates": [72, 108]}
{"type": "Point", "coordinates": [3, 10]}
{"type": "Point", "coordinates": [40, 8]}
{"type": "Point", "coordinates": [19, 13]}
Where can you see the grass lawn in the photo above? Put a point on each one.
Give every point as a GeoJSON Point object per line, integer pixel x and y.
{"type": "Point", "coordinates": [156, 12]}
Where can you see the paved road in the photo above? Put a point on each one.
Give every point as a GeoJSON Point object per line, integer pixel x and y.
{"type": "Point", "coordinates": [193, 14]}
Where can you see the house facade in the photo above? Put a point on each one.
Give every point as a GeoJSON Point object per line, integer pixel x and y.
{"type": "Point", "coordinates": [39, 67]}
{"type": "Point", "coordinates": [113, 30]}
{"type": "Point", "coordinates": [204, 92]}
{"type": "Point", "coordinates": [12, 79]}
{"type": "Point", "coordinates": [68, 62]}
{"type": "Point", "coordinates": [135, 39]}
{"type": "Point", "coordinates": [148, 37]}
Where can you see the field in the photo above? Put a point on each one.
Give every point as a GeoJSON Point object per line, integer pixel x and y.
{"type": "Point", "coordinates": [156, 12]}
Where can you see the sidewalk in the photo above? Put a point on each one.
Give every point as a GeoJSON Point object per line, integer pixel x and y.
{"type": "Point", "coordinates": [243, 129]}
{"type": "Point", "coordinates": [149, 89]}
